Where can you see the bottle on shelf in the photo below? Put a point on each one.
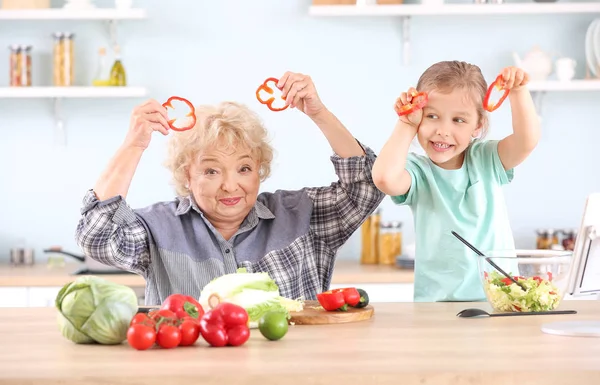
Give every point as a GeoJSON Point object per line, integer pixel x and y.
{"type": "Point", "coordinates": [117, 72]}
{"type": "Point", "coordinates": [102, 76]}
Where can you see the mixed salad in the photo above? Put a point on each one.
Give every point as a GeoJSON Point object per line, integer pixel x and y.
{"type": "Point", "coordinates": [505, 295]}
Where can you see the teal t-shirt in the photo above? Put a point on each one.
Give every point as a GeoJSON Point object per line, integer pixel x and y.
{"type": "Point", "coordinates": [469, 201]}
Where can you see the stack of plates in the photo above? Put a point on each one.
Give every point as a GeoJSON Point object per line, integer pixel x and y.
{"type": "Point", "coordinates": [592, 48]}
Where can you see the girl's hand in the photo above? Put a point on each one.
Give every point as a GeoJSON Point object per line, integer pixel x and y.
{"type": "Point", "coordinates": [514, 78]}
{"type": "Point", "coordinates": [414, 118]}
{"type": "Point", "coordinates": [146, 118]}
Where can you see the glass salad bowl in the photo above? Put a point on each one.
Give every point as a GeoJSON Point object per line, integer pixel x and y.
{"type": "Point", "coordinates": [544, 274]}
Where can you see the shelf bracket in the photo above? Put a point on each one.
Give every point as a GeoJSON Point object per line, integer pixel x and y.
{"type": "Point", "coordinates": [60, 135]}
{"type": "Point", "coordinates": [405, 21]}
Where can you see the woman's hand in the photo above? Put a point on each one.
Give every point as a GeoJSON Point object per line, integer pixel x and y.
{"type": "Point", "coordinates": [414, 118]}
{"type": "Point", "coordinates": [514, 78]}
{"type": "Point", "coordinates": [299, 92]}
{"type": "Point", "coordinates": [146, 118]}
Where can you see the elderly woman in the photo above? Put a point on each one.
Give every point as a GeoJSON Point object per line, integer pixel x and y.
{"type": "Point", "coordinates": [219, 222]}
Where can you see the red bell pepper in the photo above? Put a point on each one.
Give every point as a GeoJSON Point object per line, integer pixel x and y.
{"type": "Point", "coordinates": [499, 85]}
{"type": "Point", "coordinates": [183, 305]}
{"type": "Point", "coordinates": [226, 324]}
{"type": "Point", "coordinates": [419, 100]}
{"type": "Point", "coordinates": [186, 122]}
{"type": "Point", "coordinates": [269, 100]}
{"type": "Point", "coordinates": [351, 295]}
{"type": "Point", "coordinates": [332, 300]}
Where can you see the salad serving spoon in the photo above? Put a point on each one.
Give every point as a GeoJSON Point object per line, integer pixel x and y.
{"type": "Point", "coordinates": [470, 246]}
{"type": "Point", "coordinates": [473, 312]}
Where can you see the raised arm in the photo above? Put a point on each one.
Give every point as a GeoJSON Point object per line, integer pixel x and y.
{"type": "Point", "coordinates": [108, 230]}
{"type": "Point", "coordinates": [516, 147]}
{"type": "Point", "coordinates": [339, 209]}
{"type": "Point", "coordinates": [389, 170]}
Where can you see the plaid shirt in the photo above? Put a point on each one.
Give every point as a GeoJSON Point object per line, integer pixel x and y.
{"type": "Point", "coordinates": [292, 235]}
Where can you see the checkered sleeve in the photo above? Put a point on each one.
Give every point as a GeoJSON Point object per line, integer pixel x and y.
{"type": "Point", "coordinates": [110, 233]}
{"type": "Point", "coordinates": [340, 209]}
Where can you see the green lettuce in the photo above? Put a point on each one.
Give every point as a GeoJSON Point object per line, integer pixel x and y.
{"type": "Point", "coordinates": [256, 292]}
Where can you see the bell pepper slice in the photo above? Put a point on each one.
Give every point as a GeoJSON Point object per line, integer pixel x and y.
{"type": "Point", "coordinates": [265, 93]}
{"type": "Point", "coordinates": [185, 122]}
{"type": "Point", "coordinates": [489, 104]}
{"type": "Point", "coordinates": [332, 300]}
{"type": "Point", "coordinates": [351, 295]}
{"type": "Point", "coordinates": [419, 100]}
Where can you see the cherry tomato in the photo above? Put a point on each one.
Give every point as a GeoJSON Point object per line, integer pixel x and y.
{"type": "Point", "coordinates": [165, 315]}
{"type": "Point", "coordinates": [168, 336]}
{"type": "Point", "coordinates": [190, 330]}
{"type": "Point", "coordinates": [140, 336]}
{"type": "Point", "coordinates": [141, 318]}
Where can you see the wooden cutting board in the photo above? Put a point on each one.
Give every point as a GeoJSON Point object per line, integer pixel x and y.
{"type": "Point", "coordinates": [314, 314]}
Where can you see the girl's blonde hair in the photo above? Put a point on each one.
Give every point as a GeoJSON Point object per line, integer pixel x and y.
{"type": "Point", "coordinates": [228, 123]}
{"type": "Point", "coordinates": [446, 76]}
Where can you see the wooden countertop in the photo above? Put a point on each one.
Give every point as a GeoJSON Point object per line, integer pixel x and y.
{"type": "Point", "coordinates": [39, 275]}
{"type": "Point", "coordinates": [404, 343]}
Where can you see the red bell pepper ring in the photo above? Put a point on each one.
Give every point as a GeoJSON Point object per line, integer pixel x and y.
{"type": "Point", "coordinates": [226, 324]}
{"type": "Point", "coordinates": [186, 122]}
{"type": "Point", "coordinates": [351, 295]}
{"type": "Point", "coordinates": [270, 99]}
{"type": "Point", "coordinates": [499, 85]}
{"type": "Point", "coordinates": [183, 306]}
{"type": "Point", "coordinates": [332, 300]}
{"type": "Point", "coordinates": [419, 100]}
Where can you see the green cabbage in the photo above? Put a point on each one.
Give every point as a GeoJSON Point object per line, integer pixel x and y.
{"type": "Point", "coordinates": [256, 292]}
{"type": "Point", "coordinates": [94, 310]}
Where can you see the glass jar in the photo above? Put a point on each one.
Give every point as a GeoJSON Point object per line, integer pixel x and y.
{"type": "Point", "coordinates": [14, 69]}
{"type": "Point", "coordinates": [543, 240]}
{"type": "Point", "coordinates": [370, 239]}
{"type": "Point", "coordinates": [397, 227]}
{"type": "Point", "coordinates": [26, 65]}
{"type": "Point", "coordinates": [386, 244]}
{"type": "Point", "coordinates": [64, 59]}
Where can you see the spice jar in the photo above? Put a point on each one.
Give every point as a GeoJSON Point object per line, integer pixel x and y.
{"type": "Point", "coordinates": [568, 241]}
{"type": "Point", "coordinates": [64, 59]}
{"type": "Point", "coordinates": [386, 244]}
{"type": "Point", "coordinates": [542, 241]}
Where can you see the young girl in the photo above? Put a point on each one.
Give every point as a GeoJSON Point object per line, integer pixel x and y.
{"type": "Point", "coordinates": [457, 186]}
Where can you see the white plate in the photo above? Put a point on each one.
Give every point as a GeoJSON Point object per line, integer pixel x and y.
{"type": "Point", "coordinates": [590, 55]}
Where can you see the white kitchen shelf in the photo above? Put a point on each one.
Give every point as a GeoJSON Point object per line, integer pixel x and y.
{"type": "Point", "coordinates": [72, 14]}
{"type": "Point", "coordinates": [573, 85]}
{"type": "Point", "coordinates": [453, 9]}
{"type": "Point", "coordinates": [406, 11]}
{"type": "Point", "coordinates": [72, 92]}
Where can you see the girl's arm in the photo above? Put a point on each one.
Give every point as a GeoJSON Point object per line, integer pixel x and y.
{"type": "Point", "coordinates": [389, 172]}
{"type": "Point", "coordinates": [516, 147]}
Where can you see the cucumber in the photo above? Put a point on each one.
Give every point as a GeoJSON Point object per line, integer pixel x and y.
{"type": "Point", "coordinates": [364, 298]}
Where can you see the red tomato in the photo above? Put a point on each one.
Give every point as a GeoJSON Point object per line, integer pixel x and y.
{"type": "Point", "coordinates": [163, 313]}
{"type": "Point", "coordinates": [168, 336]}
{"type": "Point", "coordinates": [142, 318]}
{"type": "Point", "coordinates": [140, 336]}
{"type": "Point", "coordinates": [190, 330]}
